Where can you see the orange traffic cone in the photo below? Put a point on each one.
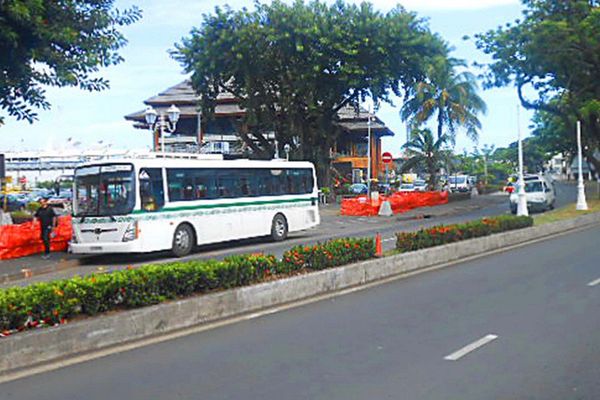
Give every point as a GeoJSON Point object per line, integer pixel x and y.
{"type": "Point", "coordinates": [378, 250]}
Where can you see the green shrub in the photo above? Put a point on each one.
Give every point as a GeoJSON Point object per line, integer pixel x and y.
{"type": "Point", "coordinates": [261, 265]}
{"type": "Point", "coordinates": [443, 234]}
{"type": "Point", "coordinates": [53, 302]}
{"type": "Point", "coordinates": [32, 206]}
{"type": "Point", "coordinates": [325, 190]}
{"type": "Point", "coordinates": [20, 216]}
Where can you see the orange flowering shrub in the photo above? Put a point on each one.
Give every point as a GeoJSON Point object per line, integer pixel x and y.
{"type": "Point", "coordinates": [443, 234]}
{"type": "Point", "coordinates": [328, 254]}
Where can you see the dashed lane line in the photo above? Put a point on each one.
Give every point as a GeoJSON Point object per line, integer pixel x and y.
{"type": "Point", "coordinates": [594, 283]}
{"type": "Point", "coordinates": [457, 355]}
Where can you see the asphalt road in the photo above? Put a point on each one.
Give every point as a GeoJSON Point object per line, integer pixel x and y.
{"type": "Point", "coordinates": [408, 339]}
{"type": "Point", "coordinates": [332, 226]}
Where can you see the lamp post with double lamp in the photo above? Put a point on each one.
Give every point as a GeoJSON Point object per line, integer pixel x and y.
{"type": "Point", "coordinates": [163, 122]}
{"type": "Point", "coordinates": [521, 195]}
{"type": "Point", "coordinates": [581, 202]}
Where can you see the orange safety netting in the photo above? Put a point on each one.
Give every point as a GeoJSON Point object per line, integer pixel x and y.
{"type": "Point", "coordinates": [400, 202]}
{"type": "Point", "coordinates": [21, 240]}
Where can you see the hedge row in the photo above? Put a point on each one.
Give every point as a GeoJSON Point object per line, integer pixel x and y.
{"type": "Point", "coordinates": [443, 234]}
{"type": "Point", "coordinates": [50, 303]}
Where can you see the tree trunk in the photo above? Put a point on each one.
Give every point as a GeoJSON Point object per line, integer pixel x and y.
{"type": "Point", "coordinates": [589, 155]}
{"type": "Point", "coordinates": [432, 173]}
{"type": "Point", "coordinates": [440, 126]}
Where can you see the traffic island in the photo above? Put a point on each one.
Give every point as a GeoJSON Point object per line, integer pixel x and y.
{"type": "Point", "coordinates": [113, 330]}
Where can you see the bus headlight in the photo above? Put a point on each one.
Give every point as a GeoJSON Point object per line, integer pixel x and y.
{"type": "Point", "coordinates": [131, 233]}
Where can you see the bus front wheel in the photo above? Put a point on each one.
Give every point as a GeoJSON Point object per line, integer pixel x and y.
{"type": "Point", "coordinates": [183, 240]}
{"type": "Point", "coordinates": [279, 228]}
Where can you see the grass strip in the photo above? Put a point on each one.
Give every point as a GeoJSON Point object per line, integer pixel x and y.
{"type": "Point", "coordinates": [566, 212]}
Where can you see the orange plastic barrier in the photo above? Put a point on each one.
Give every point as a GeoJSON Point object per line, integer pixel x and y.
{"type": "Point", "coordinates": [400, 202]}
{"type": "Point", "coordinates": [24, 239]}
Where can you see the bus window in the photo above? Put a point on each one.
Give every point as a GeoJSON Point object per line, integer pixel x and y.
{"type": "Point", "coordinates": [151, 189]}
{"type": "Point", "coordinates": [188, 184]}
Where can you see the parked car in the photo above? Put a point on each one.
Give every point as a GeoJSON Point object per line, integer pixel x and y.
{"type": "Point", "coordinates": [420, 185]}
{"type": "Point", "coordinates": [384, 188]}
{"type": "Point", "coordinates": [540, 195]}
{"type": "Point", "coordinates": [13, 202]}
{"type": "Point", "coordinates": [358, 188]}
{"type": "Point", "coordinates": [38, 194]}
{"type": "Point", "coordinates": [63, 201]}
{"type": "Point", "coordinates": [459, 183]}
{"type": "Point", "coordinates": [406, 187]}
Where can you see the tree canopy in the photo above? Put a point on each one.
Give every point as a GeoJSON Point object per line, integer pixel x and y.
{"type": "Point", "coordinates": [447, 95]}
{"type": "Point", "coordinates": [56, 43]}
{"type": "Point", "coordinates": [293, 67]}
{"type": "Point", "coordinates": [554, 50]}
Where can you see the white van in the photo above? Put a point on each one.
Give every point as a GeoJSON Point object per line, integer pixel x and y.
{"type": "Point", "coordinates": [459, 183]}
{"type": "Point", "coordinates": [540, 194]}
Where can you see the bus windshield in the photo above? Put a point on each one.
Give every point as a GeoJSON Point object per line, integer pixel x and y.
{"type": "Point", "coordinates": [104, 190]}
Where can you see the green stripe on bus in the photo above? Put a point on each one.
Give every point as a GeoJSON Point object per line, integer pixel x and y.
{"type": "Point", "coordinates": [227, 205]}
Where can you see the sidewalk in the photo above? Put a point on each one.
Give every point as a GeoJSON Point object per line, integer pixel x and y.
{"type": "Point", "coordinates": [25, 267]}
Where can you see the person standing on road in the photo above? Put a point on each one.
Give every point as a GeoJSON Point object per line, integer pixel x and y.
{"type": "Point", "coordinates": [47, 218]}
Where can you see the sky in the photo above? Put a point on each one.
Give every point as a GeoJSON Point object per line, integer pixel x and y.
{"type": "Point", "coordinates": [96, 118]}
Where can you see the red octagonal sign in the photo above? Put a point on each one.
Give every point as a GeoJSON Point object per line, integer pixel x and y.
{"type": "Point", "coordinates": [386, 157]}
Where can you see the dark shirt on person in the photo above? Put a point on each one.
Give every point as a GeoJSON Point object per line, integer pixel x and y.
{"type": "Point", "coordinates": [46, 216]}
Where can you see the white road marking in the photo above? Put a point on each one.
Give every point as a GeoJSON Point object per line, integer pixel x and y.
{"type": "Point", "coordinates": [470, 347]}
{"type": "Point", "coordinates": [594, 283]}
{"type": "Point", "coordinates": [388, 239]}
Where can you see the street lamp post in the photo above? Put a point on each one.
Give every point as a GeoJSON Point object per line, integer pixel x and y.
{"type": "Point", "coordinates": [522, 196]}
{"type": "Point", "coordinates": [581, 203]}
{"type": "Point", "coordinates": [370, 111]}
{"type": "Point", "coordinates": [163, 122]}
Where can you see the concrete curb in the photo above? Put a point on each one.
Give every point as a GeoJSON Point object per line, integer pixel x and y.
{"type": "Point", "coordinates": [33, 348]}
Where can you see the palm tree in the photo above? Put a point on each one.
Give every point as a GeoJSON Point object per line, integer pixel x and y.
{"type": "Point", "coordinates": [426, 151]}
{"type": "Point", "coordinates": [449, 96]}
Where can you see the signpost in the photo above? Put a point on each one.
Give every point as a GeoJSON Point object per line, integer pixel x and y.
{"type": "Point", "coordinates": [2, 182]}
{"type": "Point", "coordinates": [387, 159]}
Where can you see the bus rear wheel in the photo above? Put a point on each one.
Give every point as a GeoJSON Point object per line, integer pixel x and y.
{"type": "Point", "coordinates": [183, 240]}
{"type": "Point", "coordinates": [279, 228]}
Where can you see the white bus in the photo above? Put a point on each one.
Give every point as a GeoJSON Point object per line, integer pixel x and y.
{"type": "Point", "coordinates": [174, 202]}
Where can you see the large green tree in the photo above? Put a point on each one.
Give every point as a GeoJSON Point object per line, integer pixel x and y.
{"type": "Point", "coordinates": [554, 51]}
{"type": "Point", "coordinates": [448, 95]}
{"type": "Point", "coordinates": [293, 67]}
{"type": "Point", "coordinates": [55, 43]}
{"type": "Point", "coordinates": [555, 132]}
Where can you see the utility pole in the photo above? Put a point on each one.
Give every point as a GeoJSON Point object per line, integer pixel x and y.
{"type": "Point", "coordinates": [581, 203]}
{"type": "Point", "coordinates": [522, 196]}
